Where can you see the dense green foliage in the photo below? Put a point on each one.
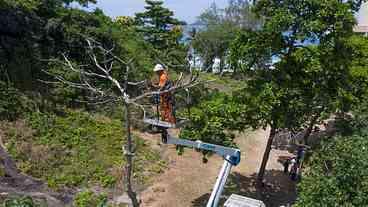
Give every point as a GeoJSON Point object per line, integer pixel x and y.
{"type": "Point", "coordinates": [36, 30]}
{"type": "Point", "coordinates": [299, 65]}
{"type": "Point", "coordinates": [210, 119]}
{"type": "Point", "coordinates": [337, 175]}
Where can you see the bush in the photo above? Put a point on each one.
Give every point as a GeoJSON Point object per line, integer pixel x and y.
{"type": "Point", "coordinates": [12, 103]}
{"type": "Point", "coordinates": [90, 199]}
{"type": "Point", "coordinates": [210, 121]}
{"type": "Point", "coordinates": [21, 202]}
{"type": "Point", "coordinates": [337, 174]}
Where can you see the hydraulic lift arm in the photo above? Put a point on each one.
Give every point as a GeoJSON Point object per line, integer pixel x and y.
{"type": "Point", "coordinates": [230, 155]}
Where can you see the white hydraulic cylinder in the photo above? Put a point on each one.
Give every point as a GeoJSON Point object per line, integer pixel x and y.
{"type": "Point", "coordinates": [219, 185]}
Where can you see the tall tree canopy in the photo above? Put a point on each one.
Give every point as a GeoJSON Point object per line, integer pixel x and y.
{"type": "Point", "coordinates": [158, 24]}
{"type": "Point", "coordinates": [309, 43]}
{"type": "Point", "coordinates": [164, 32]}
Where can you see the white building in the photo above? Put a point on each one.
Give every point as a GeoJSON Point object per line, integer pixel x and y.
{"type": "Point", "coordinates": [362, 17]}
{"type": "Point", "coordinates": [196, 63]}
{"type": "Point", "coordinates": [216, 67]}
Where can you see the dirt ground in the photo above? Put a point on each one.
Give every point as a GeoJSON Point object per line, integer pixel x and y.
{"type": "Point", "coordinates": [188, 181]}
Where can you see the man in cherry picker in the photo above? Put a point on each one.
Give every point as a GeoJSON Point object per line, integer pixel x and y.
{"type": "Point", "coordinates": [166, 99]}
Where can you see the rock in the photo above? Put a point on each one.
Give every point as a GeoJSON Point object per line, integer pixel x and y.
{"type": "Point", "coordinates": [123, 199]}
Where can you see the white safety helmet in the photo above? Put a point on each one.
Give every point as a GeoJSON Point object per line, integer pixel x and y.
{"type": "Point", "coordinates": [158, 67]}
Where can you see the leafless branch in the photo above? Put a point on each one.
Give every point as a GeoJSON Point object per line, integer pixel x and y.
{"type": "Point", "coordinates": [100, 102]}
{"type": "Point", "coordinates": [170, 65]}
{"type": "Point", "coordinates": [189, 84]}
{"type": "Point", "coordinates": [137, 83]}
{"type": "Point", "coordinates": [104, 67]}
{"type": "Point", "coordinates": [95, 44]}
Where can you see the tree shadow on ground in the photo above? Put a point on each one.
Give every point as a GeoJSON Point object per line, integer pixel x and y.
{"type": "Point", "coordinates": [278, 189]}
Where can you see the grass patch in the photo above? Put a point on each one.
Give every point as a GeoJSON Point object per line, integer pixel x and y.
{"type": "Point", "coordinates": [76, 150]}
{"type": "Point", "coordinates": [222, 83]}
{"type": "Point", "coordinates": [88, 198]}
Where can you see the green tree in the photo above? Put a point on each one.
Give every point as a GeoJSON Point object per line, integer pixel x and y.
{"type": "Point", "coordinates": [311, 79]}
{"type": "Point", "coordinates": [239, 12]}
{"type": "Point", "coordinates": [157, 24]}
{"type": "Point", "coordinates": [336, 172]}
{"type": "Point", "coordinates": [214, 42]}
{"type": "Point", "coordinates": [210, 119]}
{"type": "Point", "coordinates": [220, 28]}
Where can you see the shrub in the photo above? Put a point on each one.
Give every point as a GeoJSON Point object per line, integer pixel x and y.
{"type": "Point", "coordinates": [210, 121]}
{"type": "Point", "coordinates": [21, 202]}
{"type": "Point", "coordinates": [337, 174]}
{"type": "Point", "coordinates": [90, 199]}
{"type": "Point", "coordinates": [12, 103]}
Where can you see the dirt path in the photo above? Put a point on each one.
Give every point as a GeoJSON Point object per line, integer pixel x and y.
{"type": "Point", "coordinates": [188, 182]}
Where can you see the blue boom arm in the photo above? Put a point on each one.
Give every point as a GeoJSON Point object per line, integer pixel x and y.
{"type": "Point", "coordinates": [230, 154]}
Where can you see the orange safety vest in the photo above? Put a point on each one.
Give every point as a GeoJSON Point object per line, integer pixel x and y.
{"type": "Point", "coordinates": [166, 107]}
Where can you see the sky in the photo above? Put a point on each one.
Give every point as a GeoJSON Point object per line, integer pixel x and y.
{"type": "Point", "coordinates": [186, 10]}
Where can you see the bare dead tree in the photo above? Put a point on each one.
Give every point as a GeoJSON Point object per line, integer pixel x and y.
{"type": "Point", "coordinates": [102, 62]}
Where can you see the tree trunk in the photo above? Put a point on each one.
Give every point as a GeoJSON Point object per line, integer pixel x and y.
{"type": "Point", "coordinates": [309, 130]}
{"type": "Point", "coordinates": [266, 155]}
{"type": "Point", "coordinates": [128, 151]}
